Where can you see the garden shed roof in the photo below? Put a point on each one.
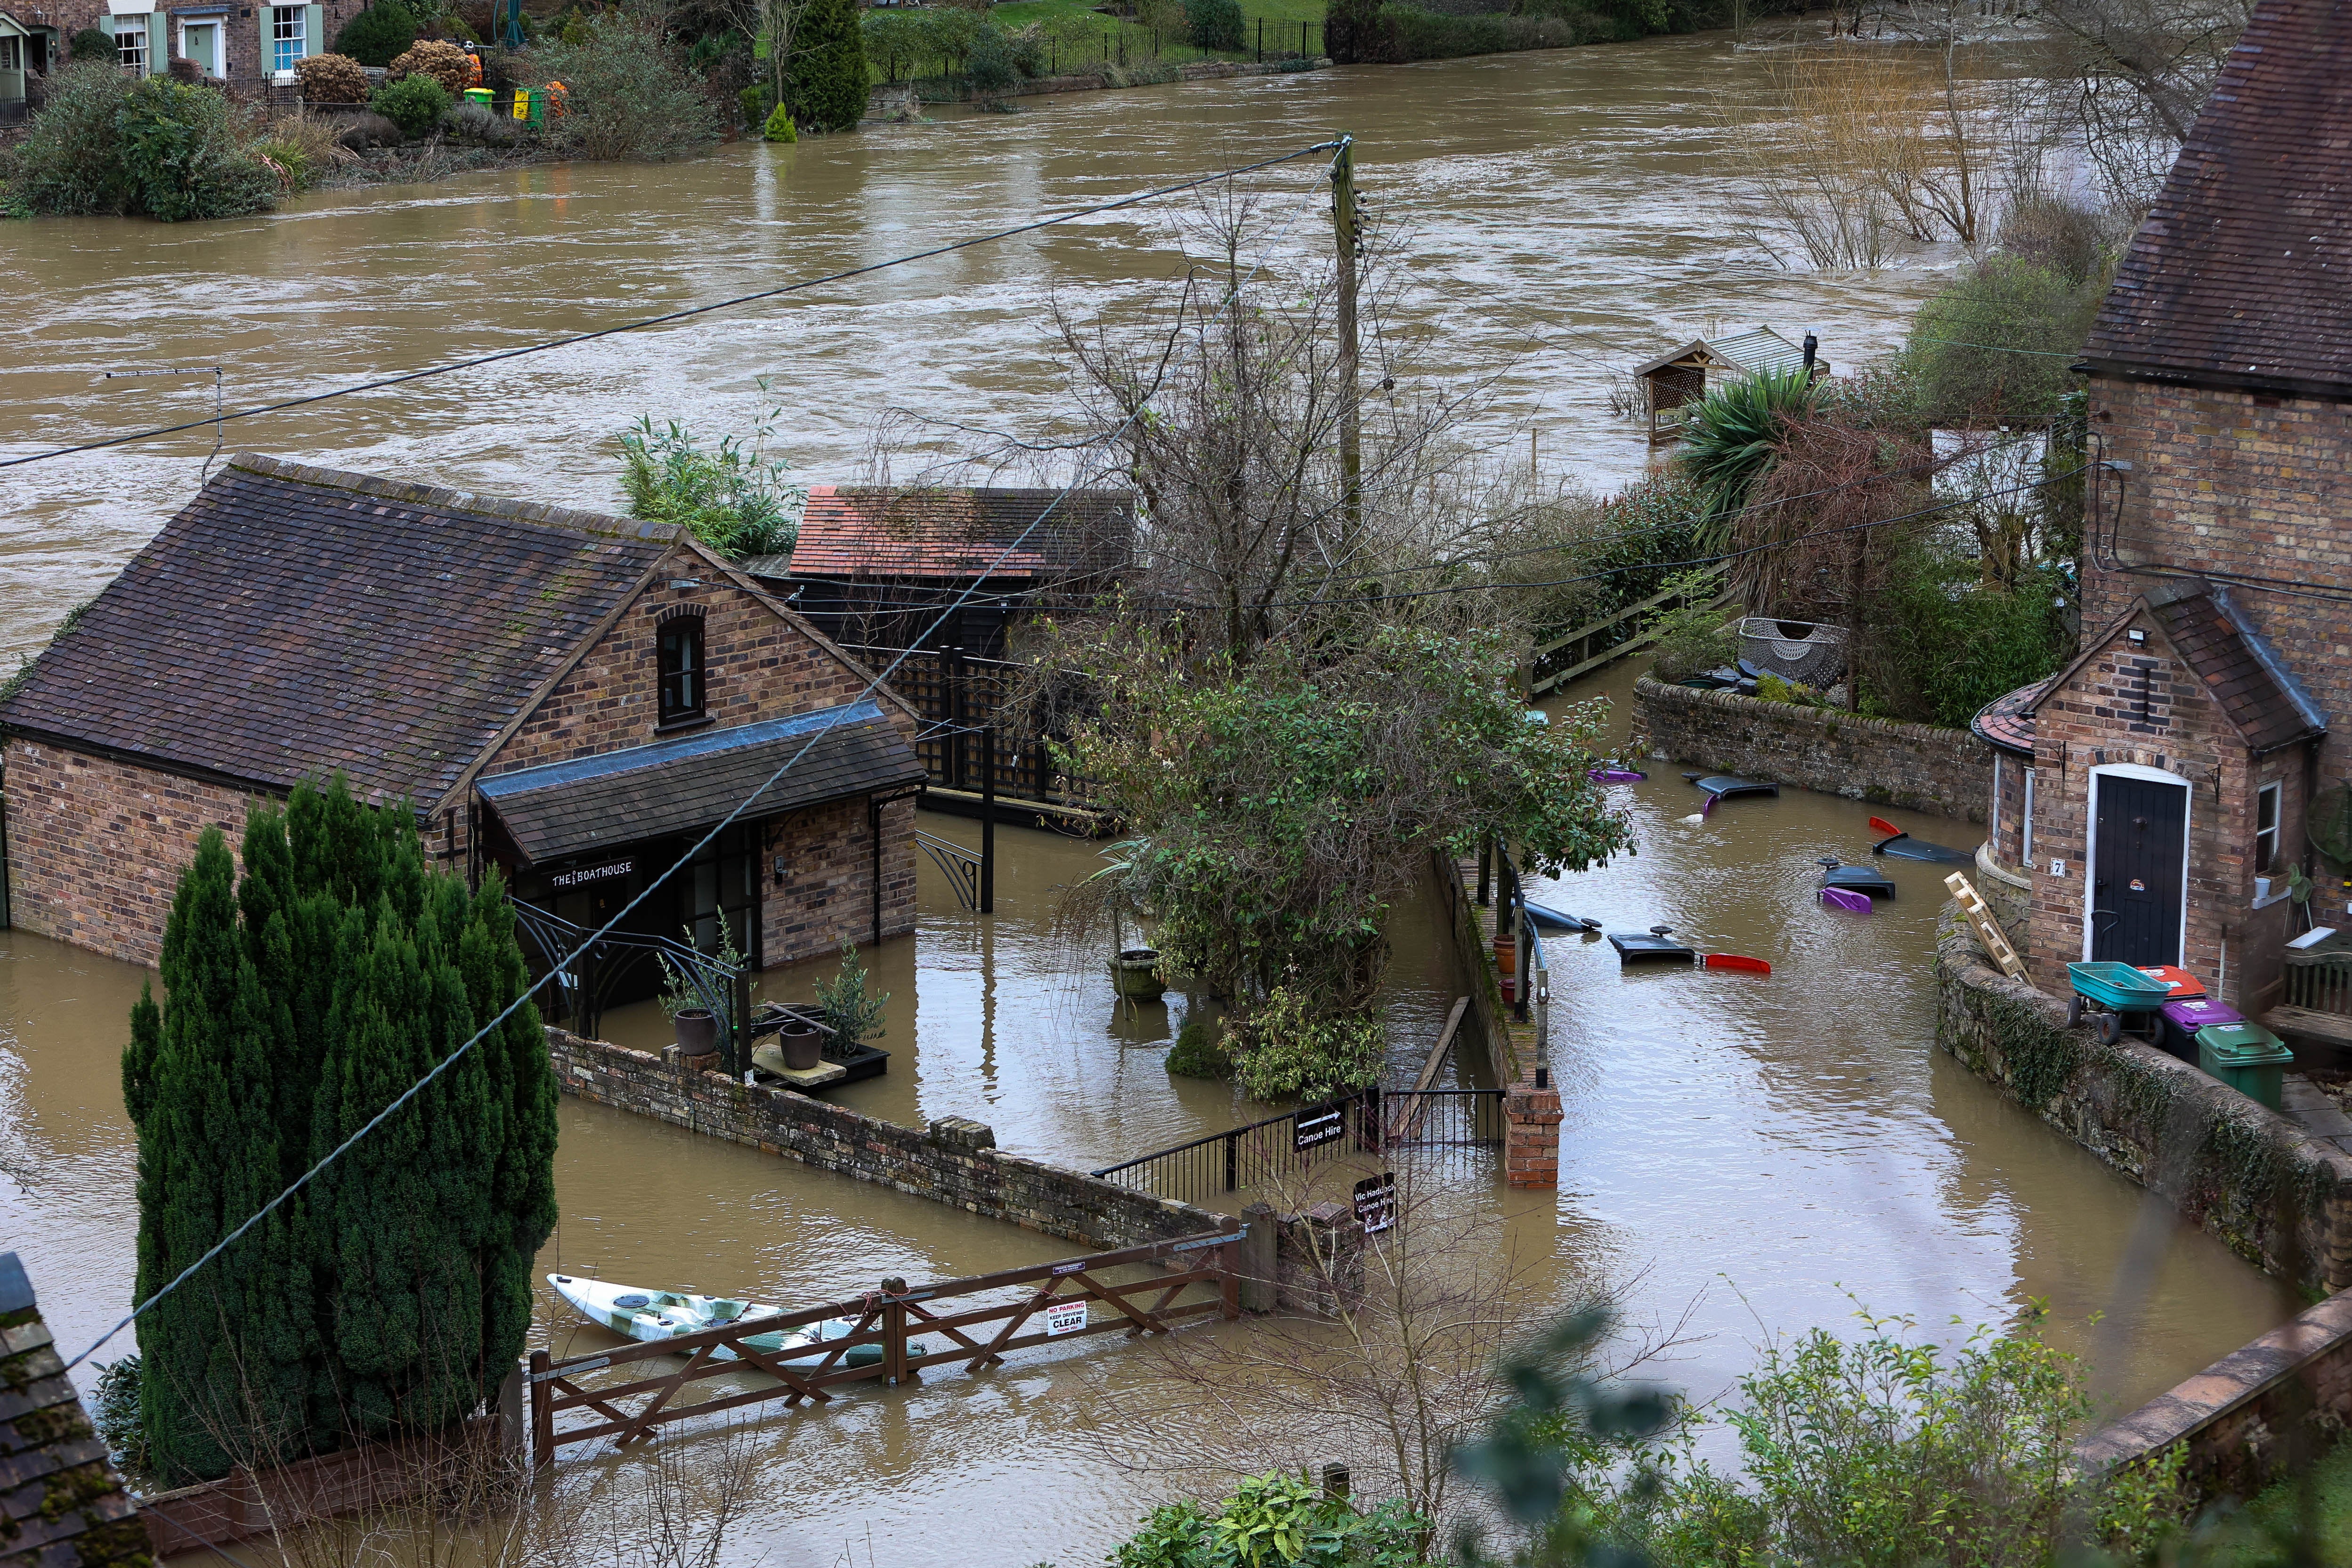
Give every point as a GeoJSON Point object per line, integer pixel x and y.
{"type": "Point", "coordinates": [2241, 275]}
{"type": "Point", "coordinates": [881, 531]}
{"type": "Point", "coordinates": [294, 619]}
{"type": "Point", "coordinates": [1750, 352]}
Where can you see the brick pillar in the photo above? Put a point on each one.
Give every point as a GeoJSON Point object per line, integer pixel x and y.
{"type": "Point", "coordinates": [1531, 1135]}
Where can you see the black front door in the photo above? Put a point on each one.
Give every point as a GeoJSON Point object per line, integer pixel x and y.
{"type": "Point", "coordinates": [2136, 877]}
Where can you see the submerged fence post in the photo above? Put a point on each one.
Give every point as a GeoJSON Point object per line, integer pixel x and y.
{"type": "Point", "coordinates": [1257, 1257]}
{"type": "Point", "coordinates": [542, 1413]}
{"type": "Point", "coordinates": [1233, 1160]}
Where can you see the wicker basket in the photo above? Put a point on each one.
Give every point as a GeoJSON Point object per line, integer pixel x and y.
{"type": "Point", "coordinates": [1806, 652]}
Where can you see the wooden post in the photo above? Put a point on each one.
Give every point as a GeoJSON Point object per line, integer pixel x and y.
{"type": "Point", "coordinates": [1351, 435]}
{"type": "Point", "coordinates": [1229, 1278]}
{"type": "Point", "coordinates": [542, 1413]}
{"type": "Point", "coordinates": [1258, 1277]}
{"type": "Point", "coordinates": [987, 819]}
{"type": "Point", "coordinates": [511, 1437]}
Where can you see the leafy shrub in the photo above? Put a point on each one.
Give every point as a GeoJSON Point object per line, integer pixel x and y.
{"type": "Point", "coordinates": [443, 61]}
{"type": "Point", "coordinates": [780, 126]}
{"type": "Point", "coordinates": [1372, 32]}
{"type": "Point", "coordinates": [989, 65]}
{"type": "Point", "coordinates": [1731, 438]}
{"type": "Point", "coordinates": [827, 85]}
{"type": "Point", "coordinates": [627, 94]}
{"type": "Point", "coordinates": [1214, 23]}
{"type": "Point", "coordinates": [91, 44]}
{"type": "Point", "coordinates": [1290, 1047]}
{"type": "Point", "coordinates": [1693, 638]}
{"type": "Point", "coordinates": [845, 1006]}
{"type": "Point", "coordinates": [1958, 353]}
{"type": "Point", "coordinates": [479, 122]}
{"type": "Point", "coordinates": [70, 163]}
{"type": "Point", "coordinates": [1952, 644]}
{"type": "Point", "coordinates": [896, 38]}
{"type": "Point", "coordinates": [415, 103]}
{"type": "Point", "coordinates": [181, 156]}
{"type": "Point", "coordinates": [736, 500]}
{"type": "Point", "coordinates": [1200, 1051]}
{"type": "Point", "coordinates": [1275, 1519]}
{"type": "Point", "coordinates": [1027, 48]}
{"type": "Point", "coordinates": [114, 1413]}
{"type": "Point", "coordinates": [379, 34]}
{"type": "Point", "coordinates": [332, 78]}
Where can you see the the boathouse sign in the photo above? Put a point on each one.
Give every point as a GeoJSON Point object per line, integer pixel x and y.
{"type": "Point", "coordinates": [582, 876]}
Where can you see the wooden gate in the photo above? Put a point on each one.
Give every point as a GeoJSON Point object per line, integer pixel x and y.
{"type": "Point", "coordinates": [915, 1328]}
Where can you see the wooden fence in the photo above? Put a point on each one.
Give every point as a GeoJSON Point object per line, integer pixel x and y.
{"type": "Point", "coordinates": [915, 1329]}
{"type": "Point", "coordinates": [1557, 660]}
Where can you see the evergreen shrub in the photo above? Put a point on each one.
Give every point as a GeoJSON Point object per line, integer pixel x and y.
{"type": "Point", "coordinates": [181, 156]}
{"type": "Point", "coordinates": [1959, 354]}
{"type": "Point", "coordinates": [377, 35]}
{"type": "Point", "coordinates": [989, 65]}
{"type": "Point", "coordinates": [302, 999]}
{"type": "Point", "coordinates": [91, 44]}
{"type": "Point", "coordinates": [627, 93]}
{"type": "Point", "coordinates": [415, 103]}
{"type": "Point", "coordinates": [827, 84]}
{"type": "Point", "coordinates": [780, 127]}
{"type": "Point", "coordinates": [71, 162]}
{"type": "Point", "coordinates": [1200, 1051]}
{"type": "Point", "coordinates": [1214, 23]}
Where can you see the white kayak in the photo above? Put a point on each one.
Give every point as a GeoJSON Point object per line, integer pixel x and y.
{"type": "Point", "coordinates": [654, 1315]}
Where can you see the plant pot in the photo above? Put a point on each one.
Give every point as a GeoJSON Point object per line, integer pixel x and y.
{"type": "Point", "coordinates": [1135, 974]}
{"type": "Point", "coordinates": [698, 1031]}
{"type": "Point", "coordinates": [801, 1045]}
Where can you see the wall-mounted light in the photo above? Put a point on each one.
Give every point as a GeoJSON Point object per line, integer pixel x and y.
{"type": "Point", "coordinates": [2136, 636]}
{"type": "Point", "coordinates": [779, 871]}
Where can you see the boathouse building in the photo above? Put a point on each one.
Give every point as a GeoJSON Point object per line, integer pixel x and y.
{"type": "Point", "coordinates": [574, 698]}
{"type": "Point", "coordinates": [2156, 792]}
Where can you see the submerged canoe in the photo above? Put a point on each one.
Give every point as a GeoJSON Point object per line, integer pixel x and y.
{"type": "Point", "coordinates": [1865, 880]}
{"type": "Point", "coordinates": [652, 1316]}
{"type": "Point", "coordinates": [1611, 773]}
{"type": "Point", "coordinates": [1722, 787]}
{"type": "Point", "coordinates": [1650, 947]}
{"type": "Point", "coordinates": [1903, 846]}
{"type": "Point", "coordinates": [1845, 899]}
{"type": "Point", "coordinates": [1550, 919]}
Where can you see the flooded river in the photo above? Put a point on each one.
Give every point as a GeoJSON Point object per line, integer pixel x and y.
{"type": "Point", "coordinates": [1753, 1155]}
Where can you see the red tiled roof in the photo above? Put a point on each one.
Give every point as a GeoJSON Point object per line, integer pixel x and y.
{"type": "Point", "coordinates": [2007, 722]}
{"type": "Point", "coordinates": [292, 620]}
{"type": "Point", "coordinates": [2243, 273]}
{"type": "Point", "coordinates": [960, 533]}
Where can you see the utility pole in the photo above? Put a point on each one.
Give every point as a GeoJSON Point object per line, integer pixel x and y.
{"type": "Point", "coordinates": [1351, 432]}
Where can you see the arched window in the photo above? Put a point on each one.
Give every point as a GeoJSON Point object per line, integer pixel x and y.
{"type": "Point", "coordinates": [683, 675]}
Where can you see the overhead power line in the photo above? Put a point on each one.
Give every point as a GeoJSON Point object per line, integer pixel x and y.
{"type": "Point", "coordinates": [872, 686]}
{"type": "Point", "coordinates": [478, 361]}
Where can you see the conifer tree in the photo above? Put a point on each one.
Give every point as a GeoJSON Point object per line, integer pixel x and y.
{"type": "Point", "coordinates": [393, 1294]}
{"type": "Point", "coordinates": [829, 82]}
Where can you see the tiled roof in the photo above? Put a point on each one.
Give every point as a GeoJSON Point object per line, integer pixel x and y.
{"type": "Point", "coordinates": [958, 533]}
{"type": "Point", "coordinates": [2007, 721]}
{"type": "Point", "coordinates": [2226, 656]}
{"type": "Point", "coordinates": [674, 786]}
{"type": "Point", "coordinates": [294, 619]}
{"type": "Point", "coordinates": [2242, 272]}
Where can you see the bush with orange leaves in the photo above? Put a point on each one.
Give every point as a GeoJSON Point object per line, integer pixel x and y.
{"type": "Point", "coordinates": [444, 61]}
{"type": "Point", "coordinates": [332, 78]}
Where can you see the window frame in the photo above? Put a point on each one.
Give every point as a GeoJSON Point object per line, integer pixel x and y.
{"type": "Point", "coordinates": [694, 674]}
{"type": "Point", "coordinates": [12, 53]}
{"type": "Point", "coordinates": [2025, 830]}
{"type": "Point", "coordinates": [131, 55]}
{"type": "Point", "coordinates": [279, 17]}
{"type": "Point", "coordinates": [2273, 795]}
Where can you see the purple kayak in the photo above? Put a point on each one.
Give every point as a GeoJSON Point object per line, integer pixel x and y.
{"type": "Point", "coordinates": [1618, 775]}
{"type": "Point", "coordinates": [1845, 899]}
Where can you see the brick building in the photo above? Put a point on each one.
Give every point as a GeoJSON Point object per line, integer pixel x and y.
{"type": "Point", "coordinates": [2156, 788]}
{"type": "Point", "coordinates": [246, 44]}
{"type": "Point", "coordinates": [575, 697]}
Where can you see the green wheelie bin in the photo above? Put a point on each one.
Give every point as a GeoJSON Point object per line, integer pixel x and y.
{"type": "Point", "coordinates": [2246, 1057]}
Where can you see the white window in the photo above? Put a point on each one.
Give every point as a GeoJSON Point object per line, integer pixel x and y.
{"type": "Point", "coordinates": [130, 41]}
{"type": "Point", "coordinates": [286, 44]}
{"type": "Point", "coordinates": [2025, 848]}
{"type": "Point", "coordinates": [2266, 828]}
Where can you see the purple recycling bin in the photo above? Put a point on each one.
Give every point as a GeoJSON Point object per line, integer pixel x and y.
{"type": "Point", "coordinates": [2183, 1019]}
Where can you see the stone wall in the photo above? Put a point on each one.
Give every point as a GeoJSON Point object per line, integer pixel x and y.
{"type": "Point", "coordinates": [2245, 1419]}
{"type": "Point", "coordinates": [96, 847]}
{"type": "Point", "coordinates": [2279, 1198]}
{"type": "Point", "coordinates": [1915, 766]}
{"type": "Point", "coordinates": [954, 1161]}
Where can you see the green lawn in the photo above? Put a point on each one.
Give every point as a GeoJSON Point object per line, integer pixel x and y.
{"type": "Point", "coordinates": [2255, 1537]}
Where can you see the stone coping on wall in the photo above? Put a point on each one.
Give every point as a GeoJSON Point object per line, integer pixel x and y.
{"type": "Point", "coordinates": [2233, 1415]}
{"type": "Point", "coordinates": [1917, 767]}
{"type": "Point", "coordinates": [2227, 1162]}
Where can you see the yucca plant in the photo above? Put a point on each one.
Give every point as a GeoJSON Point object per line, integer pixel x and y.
{"type": "Point", "coordinates": [1731, 440]}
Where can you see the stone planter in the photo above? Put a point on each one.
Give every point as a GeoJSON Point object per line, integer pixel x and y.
{"type": "Point", "coordinates": [1135, 974]}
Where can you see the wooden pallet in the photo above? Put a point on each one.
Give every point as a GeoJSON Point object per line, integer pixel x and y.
{"type": "Point", "coordinates": [1987, 929]}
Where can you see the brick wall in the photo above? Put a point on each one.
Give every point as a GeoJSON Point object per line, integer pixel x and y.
{"type": "Point", "coordinates": [2243, 1419]}
{"type": "Point", "coordinates": [1916, 766]}
{"type": "Point", "coordinates": [945, 1163]}
{"type": "Point", "coordinates": [828, 895]}
{"type": "Point", "coordinates": [2228, 1163]}
{"type": "Point", "coordinates": [2242, 482]}
{"type": "Point", "coordinates": [96, 847]}
{"type": "Point", "coordinates": [2099, 719]}
{"type": "Point", "coordinates": [241, 33]}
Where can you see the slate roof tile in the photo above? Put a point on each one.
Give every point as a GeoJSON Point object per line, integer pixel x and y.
{"type": "Point", "coordinates": [293, 619]}
{"type": "Point", "coordinates": [2242, 272]}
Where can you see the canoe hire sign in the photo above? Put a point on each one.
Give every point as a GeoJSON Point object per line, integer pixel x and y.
{"type": "Point", "coordinates": [1376, 1202]}
{"type": "Point", "coordinates": [582, 876]}
{"type": "Point", "coordinates": [1316, 1125]}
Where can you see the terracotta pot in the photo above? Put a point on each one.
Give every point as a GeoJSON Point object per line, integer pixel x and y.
{"type": "Point", "coordinates": [698, 1031]}
{"type": "Point", "coordinates": [801, 1045]}
{"type": "Point", "coordinates": [1506, 966]}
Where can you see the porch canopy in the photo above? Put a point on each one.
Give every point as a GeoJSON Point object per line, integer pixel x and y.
{"type": "Point", "coordinates": [560, 810]}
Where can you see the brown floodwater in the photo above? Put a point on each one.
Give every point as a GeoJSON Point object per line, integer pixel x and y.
{"type": "Point", "coordinates": [1746, 1157]}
